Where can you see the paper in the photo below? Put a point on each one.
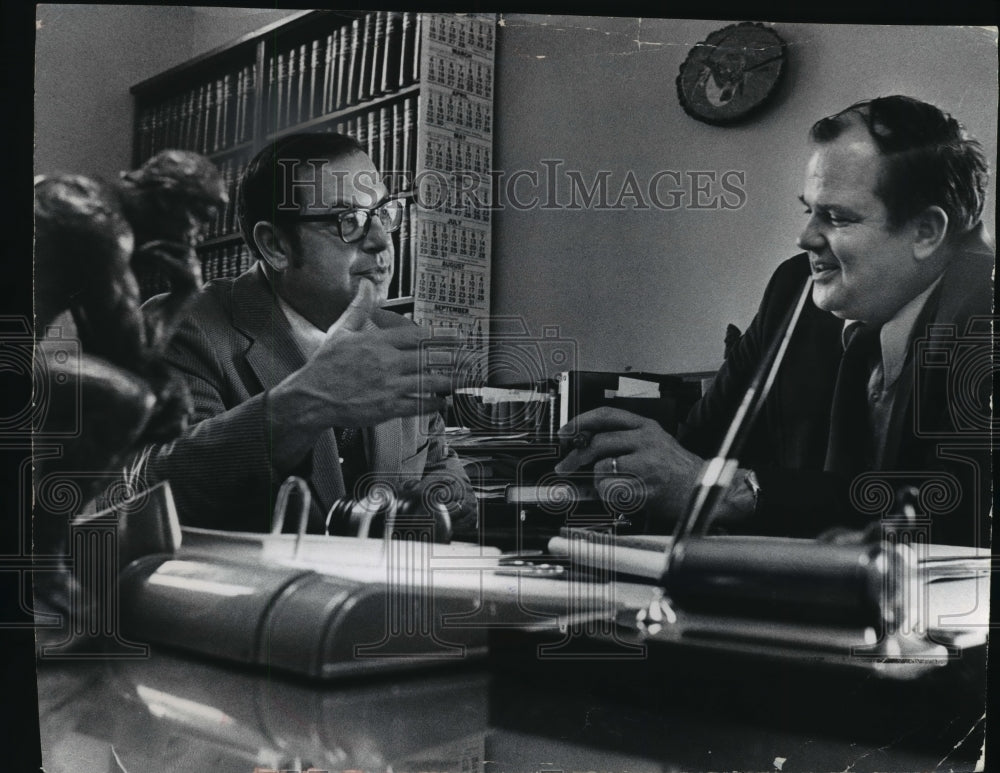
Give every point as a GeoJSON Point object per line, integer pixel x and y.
{"type": "Point", "coordinates": [633, 387]}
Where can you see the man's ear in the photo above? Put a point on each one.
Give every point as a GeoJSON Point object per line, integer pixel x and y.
{"type": "Point", "coordinates": [273, 245]}
{"type": "Point", "coordinates": [931, 230]}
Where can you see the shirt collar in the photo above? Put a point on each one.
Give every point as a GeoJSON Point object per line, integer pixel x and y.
{"type": "Point", "coordinates": [894, 337]}
{"type": "Point", "coordinates": [306, 334]}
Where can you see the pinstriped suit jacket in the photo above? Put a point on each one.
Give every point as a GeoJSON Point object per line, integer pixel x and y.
{"type": "Point", "coordinates": [235, 345]}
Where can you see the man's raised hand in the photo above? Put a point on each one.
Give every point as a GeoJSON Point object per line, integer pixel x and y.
{"type": "Point", "coordinates": [360, 376]}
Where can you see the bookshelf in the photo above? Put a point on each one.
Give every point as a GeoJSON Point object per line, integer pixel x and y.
{"type": "Point", "coordinates": [415, 89]}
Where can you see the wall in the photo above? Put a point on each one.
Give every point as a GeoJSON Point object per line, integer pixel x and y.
{"type": "Point", "coordinates": [88, 56]}
{"type": "Point", "coordinates": [642, 289]}
{"type": "Point", "coordinates": [654, 289]}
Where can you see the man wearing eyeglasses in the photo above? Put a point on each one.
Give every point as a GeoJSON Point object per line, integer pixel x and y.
{"type": "Point", "coordinates": [293, 367]}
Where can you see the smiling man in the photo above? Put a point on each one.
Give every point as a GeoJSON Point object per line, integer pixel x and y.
{"type": "Point", "coordinates": [884, 373]}
{"type": "Point", "coordinates": [293, 368]}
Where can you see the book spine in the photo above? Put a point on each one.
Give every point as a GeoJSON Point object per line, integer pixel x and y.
{"type": "Point", "coordinates": [328, 99]}
{"type": "Point", "coordinates": [361, 131]}
{"type": "Point", "coordinates": [352, 78]}
{"type": "Point", "coordinates": [301, 111]}
{"type": "Point", "coordinates": [220, 115]}
{"type": "Point", "coordinates": [292, 70]}
{"type": "Point", "coordinates": [199, 118]}
{"type": "Point", "coordinates": [385, 139]}
{"type": "Point", "coordinates": [377, 53]}
{"type": "Point", "coordinates": [415, 62]}
{"type": "Point", "coordinates": [390, 50]}
{"type": "Point", "coordinates": [210, 119]}
{"type": "Point", "coordinates": [405, 48]}
{"type": "Point", "coordinates": [407, 166]}
{"type": "Point", "coordinates": [373, 135]}
{"type": "Point", "coordinates": [314, 60]}
{"type": "Point", "coordinates": [365, 57]}
{"type": "Point", "coordinates": [175, 121]}
{"type": "Point", "coordinates": [145, 134]}
{"type": "Point", "coordinates": [279, 83]}
{"type": "Point", "coordinates": [184, 122]}
{"type": "Point", "coordinates": [396, 160]}
{"type": "Point", "coordinates": [251, 101]}
{"type": "Point", "coordinates": [239, 107]}
{"type": "Point", "coordinates": [344, 66]}
{"type": "Point", "coordinates": [165, 142]}
{"type": "Point", "coordinates": [228, 111]}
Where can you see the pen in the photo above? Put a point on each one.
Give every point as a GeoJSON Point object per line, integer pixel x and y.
{"type": "Point", "coordinates": [718, 472]}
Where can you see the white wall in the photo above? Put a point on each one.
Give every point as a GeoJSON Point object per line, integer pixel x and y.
{"type": "Point", "coordinates": [653, 290]}
{"type": "Point", "coordinates": [650, 290]}
{"type": "Point", "coordinates": [87, 57]}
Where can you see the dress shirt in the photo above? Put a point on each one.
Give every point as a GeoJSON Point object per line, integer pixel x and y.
{"type": "Point", "coordinates": [306, 334]}
{"type": "Point", "coordinates": [894, 341]}
{"type": "Point", "coordinates": [350, 443]}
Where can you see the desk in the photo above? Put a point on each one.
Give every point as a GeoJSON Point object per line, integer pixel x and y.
{"type": "Point", "coordinates": [670, 706]}
{"type": "Point", "coordinates": [175, 713]}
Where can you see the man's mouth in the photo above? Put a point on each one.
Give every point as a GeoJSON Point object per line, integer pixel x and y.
{"type": "Point", "coordinates": [824, 269]}
{"type": "Point", "coordinates": [376, 276]}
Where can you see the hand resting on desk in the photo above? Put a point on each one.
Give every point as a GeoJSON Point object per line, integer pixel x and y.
{"type": "Point", "coordinates": [618, 443]}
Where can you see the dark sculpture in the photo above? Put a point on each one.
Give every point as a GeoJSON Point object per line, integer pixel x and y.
{"type": "Point", "coordinates": [102, 391]}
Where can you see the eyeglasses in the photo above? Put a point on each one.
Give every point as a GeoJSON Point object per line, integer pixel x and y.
{"type": "Point", "coordinates": [353, 224]}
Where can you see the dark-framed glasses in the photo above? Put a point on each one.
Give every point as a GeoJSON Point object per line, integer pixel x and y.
{"type": "Point", "coordinates": [352, 225]}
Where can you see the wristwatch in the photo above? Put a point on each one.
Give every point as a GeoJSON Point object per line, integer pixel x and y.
{"type": "Point", "coordinates": [750, 479]}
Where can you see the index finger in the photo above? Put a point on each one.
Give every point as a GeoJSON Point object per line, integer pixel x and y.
{"type": "Point", "coordinates": [603, 419]}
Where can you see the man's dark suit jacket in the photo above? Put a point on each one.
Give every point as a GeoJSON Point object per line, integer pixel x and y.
{"type": "Point", "coordinates": [235, 344]}
{"type": "Point", "coordinates": [938, 437]}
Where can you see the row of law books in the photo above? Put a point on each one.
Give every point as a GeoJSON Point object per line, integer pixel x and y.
{"type": "Point", "coordinates": [224, 222]}
{"type": "Point", "coordinates": [376, 54]}
{"type": "Point", "coordinates": [225, 261]}
{"type": "Point", "coordinates": [208, 118]}
{"type": "Point", "coordinates": [389, 135]}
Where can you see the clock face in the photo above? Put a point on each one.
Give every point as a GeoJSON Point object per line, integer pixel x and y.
{"type": "Point", "coordinates": [731, 73]}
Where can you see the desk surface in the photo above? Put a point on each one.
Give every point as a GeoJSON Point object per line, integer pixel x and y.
{"type": "Point", "coordinates": [670, 712]}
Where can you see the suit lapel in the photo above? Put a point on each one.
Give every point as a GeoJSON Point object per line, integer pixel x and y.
{"type": "Point", "coordinates": [960, 294]}
{"type": "Point", "coordinates": [272, 355]}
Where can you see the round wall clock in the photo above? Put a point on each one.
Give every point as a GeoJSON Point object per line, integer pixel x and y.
{"type": "Point", "coordinates": [732, 73]}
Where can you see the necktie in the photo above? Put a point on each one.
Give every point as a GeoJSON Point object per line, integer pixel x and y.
{"type": "Point", "coordinates": [850, 449]}
{"type": "Point", "coordinates": [350, 449]}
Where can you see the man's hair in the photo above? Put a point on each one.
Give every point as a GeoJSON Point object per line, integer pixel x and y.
{"type": "Point", "coordinates": [929, 159]}
{"type": "Point", "coordinates": [266, 183]}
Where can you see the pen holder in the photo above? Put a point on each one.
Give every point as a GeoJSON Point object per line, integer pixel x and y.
{"type": "Point", "coordinates": [792, 579]}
